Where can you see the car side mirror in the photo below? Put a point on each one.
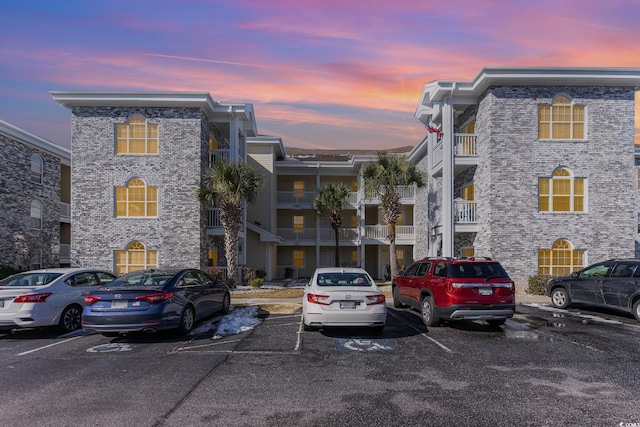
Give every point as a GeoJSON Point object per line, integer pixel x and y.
{"type": "Point", "coordinates": [574, 274]}
{"type": "Point", "coordinates": [401, 273]}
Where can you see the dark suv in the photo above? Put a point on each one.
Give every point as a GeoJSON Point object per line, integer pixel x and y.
{"type": "Point", "coordinates": [614, 283]}
{"type": "Point", "coordinates": [456, 289]}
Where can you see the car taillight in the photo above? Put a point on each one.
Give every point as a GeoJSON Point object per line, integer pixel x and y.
{"type": "Point", "coordinates": [451, 287]}
{"type": "Point", "coordinates": [32, 297]}
{"type": "Point", "coordinates": [376, 299]}
{"type": "Point", "coordinates": [317, 299]}
{"type": "Point", "coordinates": [156, 298]}
{"type": "Point", "coordinates": [90, 299]}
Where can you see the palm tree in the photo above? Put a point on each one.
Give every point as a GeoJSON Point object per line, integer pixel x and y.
{"type": "Point", "coordinates": [332, 199]}
{"type": "Point", "coordinates": [227, 185]}
{"type": "Point", "coordinates": [381, 178]}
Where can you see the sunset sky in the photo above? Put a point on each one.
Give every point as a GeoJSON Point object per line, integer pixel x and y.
{"type": "Point", "coordinates": [319, 73]}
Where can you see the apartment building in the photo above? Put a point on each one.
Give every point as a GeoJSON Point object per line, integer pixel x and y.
{"type": "Point", "coordinates": [138, 159]}
{"type": "Point", "coordinates": [35, 194]}
{"type": "Point", "coordinates": [308, 241]}
{"type": "Point", "coordinates": [532, 166]}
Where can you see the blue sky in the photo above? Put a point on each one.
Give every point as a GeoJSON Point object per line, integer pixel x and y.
{"type": "Point", "coordinates": [320, 74]}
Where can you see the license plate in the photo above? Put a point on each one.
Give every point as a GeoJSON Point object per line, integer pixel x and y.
{"type": "Point", "coordinates": [485, 291]}
{"type": "Point", "coordinates": [119, 304]}
{"type": "Point", "coordinates": [348, 305]}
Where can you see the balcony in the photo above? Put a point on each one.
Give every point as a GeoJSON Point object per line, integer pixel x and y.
{"type": "Point", "coordinates": [379, 232]}
{"type": "Point", "coordinates": [217, 156]}
{"type": "Point", "coordinates": [308, 236]}
{"type": "Point", "coordinates": [65, 212]}
{"type": "Point", "coordinates": [465, 212]}
{"type": "Point", "coordinates": [293, 199]}
{"type": "Point", "coordinates": [214, 226]}
{"type": "Point", "coordinates": [464, 151]}
{"type": "Point", "coordinates": [407, 195]}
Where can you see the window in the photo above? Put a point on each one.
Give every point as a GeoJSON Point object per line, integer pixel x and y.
{"type": "Point", "coordinates": [136, 199]}
{"type": "Point", "coordinates": [468, 192]}
{"type": "Point", "coordinates": [298, 223]}
{"type": "Point", "coordinates": [136, 137]}
{"type": "Point", "coordinates": [37, 168]}
{"type": "Point", "coordinates": [298, 259]}
{"type": "Point", "coordinates": [400, 258]}
{"type": "Point", "coordinates": [298, 189]}
{"type": "Point", "coordinates": [561, 260]}
{"type": "Point", "coordinates": [468, 252]}
{"type": "Point", "coordinates": [354, 258]}
{"type": "Point", "coordinates": [561, 193]}
{"type": "Point", "coordinates": [561, 120]}
{"type": "Point", "coordinates": [213, 257]}
{"type": "Point", "coordinates": [136, 257]}
{"type": "Point", "coordinates": [36, 260]}
{"type": "Point", "coordinates": [36, 215]}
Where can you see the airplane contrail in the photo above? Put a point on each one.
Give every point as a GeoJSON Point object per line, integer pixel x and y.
{"type": "Point", "coordinates": [243, 64]}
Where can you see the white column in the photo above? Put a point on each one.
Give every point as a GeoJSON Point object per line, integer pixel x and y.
{"type": "Point", "coordinates": [447, 179]}
{"type": "Point", "coordinates": [233, 138]}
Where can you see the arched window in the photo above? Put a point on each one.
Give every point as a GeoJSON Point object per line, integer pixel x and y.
{"type": "Point", "coordinates": [561, 120]}
{"type": "Point", "coordinates": [136, 199]}
{"type": "Point", "coordinates": [36, 215]}
{"type": "Point", "coordinates": [136, 137]}
{"type": "Point", "coordinates": [135, 257]}
{"type": "Point", "coordinates": [561, 192]}
{"type": "Point", "coordinates": [37, 169]}
{"type": "Point", "coordinates": [561, 260]}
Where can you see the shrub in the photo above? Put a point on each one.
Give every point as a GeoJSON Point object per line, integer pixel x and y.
{"type": "Point", "coordinates": [288, 272]}
{"type": "Point", "coordinates": [215, 273]}
{"type": "Point", "coordinates": [6, 271]}
{"type": "Point", "coordinates": [260, 273]}
{"type": "Point", "coordinates": [538, 284]}
{"type": "Point", "coordinates": [257, 282]}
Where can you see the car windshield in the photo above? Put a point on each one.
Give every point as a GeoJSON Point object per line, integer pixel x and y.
{"type": "Point", "coordinates": [477, 270]}
{"type": "Point", "coordinates": [142, 278]}
{"type": "Point", "coordinates": [343, 279]}
{"type": "Point", "coordinates": [30, 279]}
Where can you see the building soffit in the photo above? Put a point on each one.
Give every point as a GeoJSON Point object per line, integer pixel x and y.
{"type": "Point", "coordinates": [214, 110]}
{"type": "Point", "coordinates": [468, 93]}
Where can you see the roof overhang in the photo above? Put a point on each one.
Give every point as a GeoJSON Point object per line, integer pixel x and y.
{"type": "Point", "coordinates": [34, 141]}
{"type": "Point", "coordinates": [265, 235]}
{"type": "Point", "coordinates": [274, 141]}
{"type": "Point", "coordinates": [463, 93]}
{"type": "Point", "coordinates": [214, 110]}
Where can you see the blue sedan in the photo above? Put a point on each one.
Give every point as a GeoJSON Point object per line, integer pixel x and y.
{"type": "Point", "coordinates": [153, 300]}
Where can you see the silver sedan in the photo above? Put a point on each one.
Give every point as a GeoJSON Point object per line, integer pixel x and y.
{"type": "Point", "coordinates": [343, 297]}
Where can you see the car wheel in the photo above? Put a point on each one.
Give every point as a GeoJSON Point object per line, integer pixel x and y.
{"type": "Point", "coordinates": [496, 322]}
{"type": "Point", "coordinates": [560, 298]}
{"type": "Point", "coordinates": [187, 320]}
{"type": "Point", "coordinates": [427, 311]}
{"type": "Point", "coordinates": [226, 303]}
{"type": "Point", "coordinates": [636, 309]}
{"type": "Point", "coordinates": [71, 318]}
{"type": "Point", "coordinates": [396, 298]}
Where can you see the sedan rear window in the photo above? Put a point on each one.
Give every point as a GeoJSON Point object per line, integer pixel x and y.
{"type": "Point", "coordinates": [343, 279]}
{"type": "Point", "coordinates": [142, 279]}
{"type": "Point", "coordinates": [30, 279]}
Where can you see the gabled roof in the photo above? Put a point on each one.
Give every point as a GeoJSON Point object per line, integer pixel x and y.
{"type": "Point", "coordinates": [25, 137]}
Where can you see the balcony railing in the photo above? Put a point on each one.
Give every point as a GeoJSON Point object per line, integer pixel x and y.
{"type": "Point", "coordinates": [379, 232]}
{"type": "Point", "coordinates": [297, 234]}
{"type": "Point", "coordinates": [465, 212]}
{"type": "Point", "coordinates": [217, 156]}
{"type": "Point", "coordinates": [296, 197]}
{"type": "Point", "coordinates": [465, 144]}
{"type": "Point", "coordinates": [65, 212]}
{"type": "Point", "coordinates": [213, 217]}
{"type": "Point", "coordinates": [344, 233]}
{"type": "Point", "coordinates": [406, 192]}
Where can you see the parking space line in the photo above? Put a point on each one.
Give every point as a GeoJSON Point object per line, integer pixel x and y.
{"type": "Point", "coordinates": [433, 340]}
{"type": "Point", "coordinates": [48, 346]}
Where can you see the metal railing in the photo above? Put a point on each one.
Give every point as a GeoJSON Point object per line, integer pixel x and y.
{"type": "Point", "coordinates": [465, 212]}
{"type": "Point", "coordinates": [295, 197]}
{"type": "Point", "coordinates": [297, 234]}
{"type": "Point", "coordinates": [465, 144]}
{"type": "Point", "coordinates": [406, 192]}
{"type": "Point", "coordinates": [379, 232]}
{"type": "Point", "coordinates": [344, 233]}
{"type": "Point", "coordinates": [65, 212]}
{"type": "Point", "coordinates": [220, 155]}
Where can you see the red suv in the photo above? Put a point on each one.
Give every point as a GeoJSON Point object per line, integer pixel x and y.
{"type": "Point", "coordinates": [456, 289]}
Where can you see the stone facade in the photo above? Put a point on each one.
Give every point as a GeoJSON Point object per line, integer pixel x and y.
{"type": "Point", "coordinates": [178, 232]}
{"type": "Point", "coordinates": [19, 240]}
{"type": "Point", "coordinates": [511, 158]}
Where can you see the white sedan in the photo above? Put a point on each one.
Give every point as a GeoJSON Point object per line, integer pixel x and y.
{"type": "Point", "coordinates": [47, 297]}
{"type": "Point", "coordinates": [338, 296]}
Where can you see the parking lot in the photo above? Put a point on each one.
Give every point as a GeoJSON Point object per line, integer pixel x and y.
{"type": "Point", "coordinates": [543, 367]}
